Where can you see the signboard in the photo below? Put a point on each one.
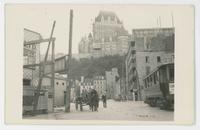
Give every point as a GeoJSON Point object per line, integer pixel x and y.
{"type": "Point", "coordinates": [171, 88]}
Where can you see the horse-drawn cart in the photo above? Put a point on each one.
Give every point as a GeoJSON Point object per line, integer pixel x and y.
{"type": "Point", "coordinates": [90, 99]}
{"type": "Point", "coordinates": [80, 101]}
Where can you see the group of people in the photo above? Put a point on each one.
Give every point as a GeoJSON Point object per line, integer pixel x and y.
{"type": "Point", "coordinates": [91, 99]}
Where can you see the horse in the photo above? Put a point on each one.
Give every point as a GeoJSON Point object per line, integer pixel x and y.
{"type": "Point", "coordinates": [93, 100]}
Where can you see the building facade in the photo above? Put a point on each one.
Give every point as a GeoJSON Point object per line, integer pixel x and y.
{"type": "Point", "coordinates": [99, 83]}
{"type": "Point", "coordinates": [85, 45]}
{"type": "Point", "coordinates": [109, 36]}
{"type": "Point", "coordinates": [148, 49]}
{"type": "Point", "coordinates": [85, 86]}
{"type": "Point", "coordinates": [31, 76]}
{"type": "Point", "coordinates": [60, 90]}
{"type": "Point", "coordinates": [113, 89]}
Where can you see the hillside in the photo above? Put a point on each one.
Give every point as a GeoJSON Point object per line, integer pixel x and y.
{"type": "Point", "coordinates": [96, 66]}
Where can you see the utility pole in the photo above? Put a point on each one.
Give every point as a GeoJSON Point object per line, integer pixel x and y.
{"type": "Point", "coordinates": [68, 88]}
{"type": "Point", "coordinates": [53, 71]}
{"type": "Point", "coordinates": [172, 20]}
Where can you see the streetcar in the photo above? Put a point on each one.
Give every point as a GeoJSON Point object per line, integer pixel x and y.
{"type": "Point", "coordinates": [159, 87]}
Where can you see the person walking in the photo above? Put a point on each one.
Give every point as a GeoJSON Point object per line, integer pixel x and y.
{"type": "Point", "coordinates": [104, 101]}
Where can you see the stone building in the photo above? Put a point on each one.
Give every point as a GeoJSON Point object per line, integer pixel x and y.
{"type": "Point", "coordinates": [60, 89]}
{"type": "Point", "coordinates": [147, 50]}
{"type": "Point", "coordinates": [85, 45]}
{"type": "Point", "coordinates": [109, 36]}
{"type": "Point", "coordinates": [85, 85]}
{"type": "Point", "coordinates": [99, 83]}
{"type": "Point", "coordinates": [147, 33]}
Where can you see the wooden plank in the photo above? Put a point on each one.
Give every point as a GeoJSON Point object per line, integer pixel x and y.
{"type": "Point", "coordinates": [38, 41]}
{"type": "Point", "coordinates": [34, 65]}
{"type": "Point", "coordinates": [52, 72]}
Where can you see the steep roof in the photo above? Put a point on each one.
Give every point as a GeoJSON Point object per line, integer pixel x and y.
{"type": "Point", "coordinates": [30, 35]}
{"type": "Point", "coordinates": [105, 15]}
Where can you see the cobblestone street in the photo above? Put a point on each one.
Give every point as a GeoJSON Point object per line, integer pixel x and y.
{"type": "Point", "coordinates": [129, 110]}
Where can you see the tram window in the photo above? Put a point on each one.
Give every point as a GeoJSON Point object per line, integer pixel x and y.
{"type": "Point", "coordinates": [171, 74]}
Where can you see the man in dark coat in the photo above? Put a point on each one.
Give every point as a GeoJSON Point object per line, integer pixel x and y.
{"type": "Point", "coordinates": [104, 101]}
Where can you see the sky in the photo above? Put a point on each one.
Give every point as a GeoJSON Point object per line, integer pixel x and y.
{"type": "Point", "coordinates": [40, 17]}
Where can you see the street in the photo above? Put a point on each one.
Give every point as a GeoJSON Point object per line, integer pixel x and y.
{"type": "Point", "coordinates": [129, 110]}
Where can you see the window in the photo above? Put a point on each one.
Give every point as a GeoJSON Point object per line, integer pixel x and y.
{"type": "Point", "coordinates": [147, 82]}
{"type": "Point", "coordinates": [133, 52]}
{"type": "Point", "coordinates": [57, 83]}
{"type": "Point", "coordinates": [133, 43]}
{"type": "Point", "coordinates": [132, 60]}
{"type": "Point", "coordinates": [172, 58]}
{"type": "Point", "coordinates": [25, 58]}
{"type": "Point", "coordinates": [63, 84]}
{"type": "Point", "coordinates": [158, 59]}
{"type": "Point", "coordinates": [148, 69]}
{"type": "Point", "coordinates": [157, 76]}
{"type": "Point", "coordinates": [26, 82]}
{"type": "Point", "coordinates": [147, 46]}
{"type": "Point", "coordinates": [171, 74]}
{"type": "Point", "coordinates": [150, 78]}
{"type": "Point", "coordinates": [154, 78]}
{"type": "Point", "coordinates": [147, 59]}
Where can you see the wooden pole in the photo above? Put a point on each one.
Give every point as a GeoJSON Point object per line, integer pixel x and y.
{"type": "Point", "coordinates": [172, 20]}
{"type": "Point", "coordinates": [68, 88]}
{"type": "Point", "coordinates": [41, 74]}
{"type": "Point", "coordinates": [53, 72]}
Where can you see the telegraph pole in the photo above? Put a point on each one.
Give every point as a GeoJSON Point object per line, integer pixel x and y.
{"type": "Point", "coordinates": [68, 88]}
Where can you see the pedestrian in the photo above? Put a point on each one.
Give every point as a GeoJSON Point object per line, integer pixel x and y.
{"type": "Point", "coordinates": [104, 101]}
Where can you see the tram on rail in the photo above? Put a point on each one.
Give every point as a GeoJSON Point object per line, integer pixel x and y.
{"type": "Point", "coordinates": [159, 87]}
